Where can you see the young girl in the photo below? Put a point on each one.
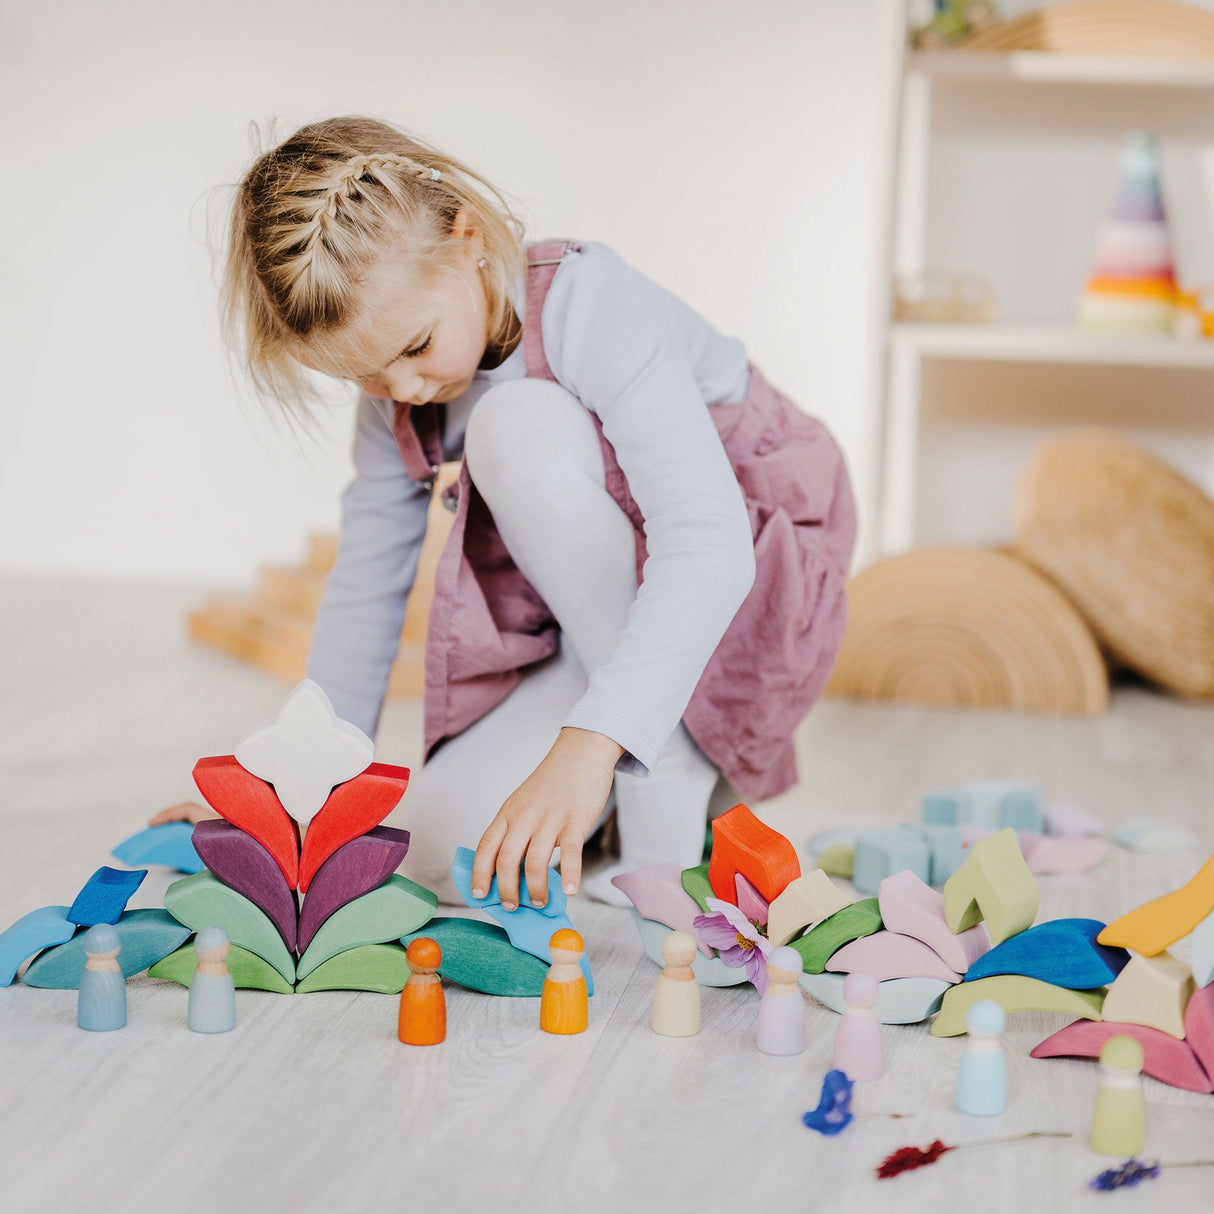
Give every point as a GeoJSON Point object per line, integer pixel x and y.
{"type": "Point", "coordinates": [643, 590]}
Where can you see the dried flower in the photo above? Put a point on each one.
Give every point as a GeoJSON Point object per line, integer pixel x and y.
{"type": "Point", "coordinates": [1124, 1177]}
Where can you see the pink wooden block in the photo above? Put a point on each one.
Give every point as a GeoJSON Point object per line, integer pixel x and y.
{"type": "Point", "coordinates": [913, 908]}
{"type": "Point", "coordinates": [1063, 819]}
{"type": "Point", "coordinates": [891, 955]}
{"type": "Point", "coordinates": [1167, 1058]}
{"type": "Point", "coordinates": [658, 894]}
{"type": "Point", "coordinates": [1199, 1027]}
{"type": "Point", "coordinates": [750, 902]}
{"type": "Point", "coordinates": [1045, 854]}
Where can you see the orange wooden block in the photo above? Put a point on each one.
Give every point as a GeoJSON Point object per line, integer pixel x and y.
{"type": "Point", "coordinates": [564, 1005]}
{"type": "Point", "coordinates": [423, 1007]}
{"type": "Point", "coordinates": [743, 844]}
{"type": "Point", "coordinates": [251, 804]}
{"type": "Point", "coordinates": [1155, 925]}
{"type": "Point", "coordinates": [351, 809]}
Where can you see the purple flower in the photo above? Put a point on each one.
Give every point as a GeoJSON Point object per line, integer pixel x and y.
{"type": "Point", "coordinates": [736, 938]}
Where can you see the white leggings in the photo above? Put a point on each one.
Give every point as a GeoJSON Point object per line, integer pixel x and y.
{"type": "Point", "coordinates": [534, 455]}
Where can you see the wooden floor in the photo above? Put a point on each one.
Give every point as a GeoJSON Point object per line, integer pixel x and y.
{"type": "Point", "coordinates": [312, 1105]}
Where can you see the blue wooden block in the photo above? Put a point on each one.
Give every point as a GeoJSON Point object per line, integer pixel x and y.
{"type": "Point", "coordinates": [942, 808]}
{"type": "Point", "coordinates": [881, 853]}
{"type": "Point", "coordinates": [147, 936]}
{"type": "Point", "coordinates": [945, 850]}
{"type": "Point", "coordinates": [991, 804]}
{"type": "Point", "coordinates": [529, 928]}
{"type": "Point", "coordinates": [832, 836]}
{"type": "Point", "coordinates": [1020, 808]}
{"type": "Point", "coordinates": [170, 845]}
{"type": "Point", "coordinates": [1062, 952]}
{"type": "Point", "coordinates": [105, 895]}
{"type": "Point", "coordinates": [43, 928]}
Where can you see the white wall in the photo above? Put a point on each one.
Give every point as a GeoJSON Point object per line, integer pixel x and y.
{"type": "Point", "coordinates": [729, 151]}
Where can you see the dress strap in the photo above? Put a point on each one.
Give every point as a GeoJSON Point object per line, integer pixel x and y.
{"type": "Point", "coordinates": [543, 258]}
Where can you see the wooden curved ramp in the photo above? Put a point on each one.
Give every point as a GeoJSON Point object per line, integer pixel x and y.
{"type": "Point", "coordinates": [967, 627]}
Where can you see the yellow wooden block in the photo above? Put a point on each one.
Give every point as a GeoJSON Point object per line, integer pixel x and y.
{"type": "Point", "coordinates": [992, 886]}
{"type": "Point", "coordinates": [1155, 925]}
{"type": "Point", "coordinates": [838, 861]}
{"type": "Point", "coordinates": [803, 902]}
{"type": "Point", "coordinates": [1153, 991]}
{"type": "Point", "coordinates": [1013, 993]}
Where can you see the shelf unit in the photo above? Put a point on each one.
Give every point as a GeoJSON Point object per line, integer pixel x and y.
{"type": "Point", "coordinates": [908, 347]}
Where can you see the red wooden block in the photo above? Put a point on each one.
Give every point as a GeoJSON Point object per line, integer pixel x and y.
{"type": "Point", "coordinates": [1169, 1059]}
{"type": "Point", "coordinates": [1199, 1027]}
{"type": "Point", "coordinates": [352, 809]}
{"type": "Point", "coordinates": [743, 844]}
{"type": "Point", "coordinates": [251, 804]}
{"type": "Point", "coordinates": [360, 866]}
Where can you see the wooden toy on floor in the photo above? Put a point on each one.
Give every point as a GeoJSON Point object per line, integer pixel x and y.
{"type": "Point", "coordinates": [743, 844]}
{"type": "Point", "coordinates": [479, 956]}
{"type": "Point", "coordinates": [1046, 855]}
{"type": "Point", "coordinates": [803, 903]}
{"type": "Point", "coordinates": [212, 1001]}
{"type": "Point", "coordinates": [422, 1019]}
{"type": "Point", "coordinates": [657, 893]}
{"type": "Point", "coordinates": [945, 849]}
{"type": "Point", "coordinates": [782, 1025]}
{"type": "Point", "coordinates": [381, 968]}
{"type": "Point", "coordinates": [912, 908]}
{"type": "Point", "coordinates": [101, 1003]}
{"type": "Point", "coordinates": [697, 886]}
{"type": "Point", "coordinates": [1119, 1118]}
{"type": "Point", "coordinates": [105, 895]}
{"type": "Point", "coordinates": [676, 997]}
{"type": "Point", "coordinates": [708, 971]}
{"type": "Point", "coordinates": [1153, 991]}
{"type": "Point", "coordinates": [247, 969]}
{"type": "Point", "coordinates": [1201, 952]}
{"type": "Point", "coordinates": [834, 1105]}
{"type": "Point", "coordinates": [993, 804]}
{"type": "Point", "coordinates": [1150, 837]}
{"type": "Point", "coordinates": [880, 853]}
{"type": "Point", "coordinates": [564, 1007]}
{"type": "Point", "coordinates": [1013, 993]}
{"type": "Point", "coordinates": [147, 935]}
{"type": "Point", "coordinates": [1199, 1028]}
{"type": "Point", "coordinates": [821, 943]}
{"type": "Point", "coordinates": [1063, 952]}
{"type": "Point", "coordinates": [40, 929]}
{"type": "Point", "coordinates": [1157, 924]}
{"type": "Point", "coordinates": [838, 861]}
{"type": "Point", "coordinates": [899, 1000]}
{"type": "Point", "coordinates": [993, 886]}
{"type": "Point", "coordinates": [305, 751]}
{"type": "Point", "coordinates": [859, 1051]}
{"type": "Point", "coordinates": [1062, 818]}
{"type": "Point", "coordinates": [750, 902]}
{"type": "Point", "coordinates": [170, 845]}
{"type": "Point", "coordinates": [981, 1086]}
{"type": "Point", "coordinates": [891, 955]}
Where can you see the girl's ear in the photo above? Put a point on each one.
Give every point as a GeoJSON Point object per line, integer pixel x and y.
{"type": "Point", "coordinates": [466, 226]}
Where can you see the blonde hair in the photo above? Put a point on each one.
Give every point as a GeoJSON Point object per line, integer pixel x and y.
{"type": "Point", "coordinates": [313, 215]}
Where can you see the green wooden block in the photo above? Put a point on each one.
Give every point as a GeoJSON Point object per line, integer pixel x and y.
{"type": "Point", "coordinates": [248, 970]}
{"type": "Point", "coordinates": [1014, 993]}
{"type": "Point", "coordinates": [395, 909]}
{"type": "Point", "coordinates": [479, 956]}
{"type": "Point", "coordinates": [202, 900]}
{"type": "Point", "coordinates": [146, 935]}
{"type": "Point", "coordinates": [370, 967]}
{"type": "Point", "coordinates": [695, 882]}
{"type": "Point", "coordinates": [838, 861]}
{"type": "Point", "coordinates": [821, 943]}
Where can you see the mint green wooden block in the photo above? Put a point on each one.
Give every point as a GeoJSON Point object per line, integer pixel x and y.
{"type": "Point", "coordinates": [248, 970]}
{"type": "Point", "coordinates": [393, 910]}
{"type": "Point", "coordinates": [147, 935]}
{"type": "Point", "coordinates": [696, 883]}
{"type": "Point", "coordinates": [370, 967]}
{"type": "Point", "coordinates": [202, 900]}
{"type": "Point", "coordinates": [821, 943]}
{"type": "Point", "coordinates": [478, 955]}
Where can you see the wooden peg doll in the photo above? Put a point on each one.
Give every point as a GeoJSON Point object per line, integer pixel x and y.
{"type": "Point", "coordinates": [782, 1007]}
{"type": "Point", "coordinates": [212, 1002]}
{"type": "Point", "coordinates": [101, 1000]}
{"type": "Point", "coordinates": [423, 1006]}
{"type": "Point", "coordinates": [676, 998]}
{"type": "Point", "coordinates": [981, 1087]}
{"type": "Point", "coordinates": [1119, 1118]}
{"type": "Point", "coordinates": [564, 1005]}
{"type": "Point", "coordinates": [859, 1051]}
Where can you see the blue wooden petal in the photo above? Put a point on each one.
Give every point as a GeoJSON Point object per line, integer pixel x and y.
{"type": "Point", "coordinates": [169, 845]}
{"type": "Point", "coordinates": [147, 936]}
{"type": "Point", "coordinates": [105, 895]}
{"type": "Point", "coordinates": [1063, 952]}
{"type": "Point", "coordinates": [40, 929]}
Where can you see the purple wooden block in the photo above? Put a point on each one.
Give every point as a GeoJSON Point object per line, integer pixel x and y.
{"type": "Point", "coordinates": [241, 863]}
{"type": "Point", "coordinates": [352, 870]}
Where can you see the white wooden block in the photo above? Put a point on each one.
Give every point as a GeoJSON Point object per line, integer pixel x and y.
{"type": "Point", "coordinates": [1201, 955]}
{"type": "Point", "coordinates": [305, 751]}
{"type": "Point", "coordinates": [1147, 837]}
{"type": "Point", "coordinates": [1153, 991]}
{"type": "Point", "coordinates": [807, 900]}
{"type": "Point", "coordinates": [899, 1000]}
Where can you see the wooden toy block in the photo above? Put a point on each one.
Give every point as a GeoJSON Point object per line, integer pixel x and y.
{"type": "Point", "coordinates": [251, 805]}
{"type": "Point", "coordinates": [821, 943]}
{"type": "Point", "coordinates": [941, 807]}
{"type": "Point", "coordinates": [1119, 1116]}
{"type": "Point", "coordinates": [743, 844]}
{"type": "Point", "coordinates": [1148, 837]}
{"type": "Point", "coordinates": [1052, 854]}
{"type": "Point", "coordinates": [676, 996]}
{"type": "Point", "coordinates": [352, 809]}
{"type": "Point", "coordinates": [247, 969]}
{"type": "Point", "coordinates": [40, 929]}
{"type": "Point", "coordinates": [1061, 818]}
{"type": "Point", "coordinates": [994, 886]}
{"type": "Point", "coordinates": [105, 895]}
{"type": "Point", "coordinates": [422, 1018]}
{"type": "Point", "coordinates": [211, 1007]}
{"type": "Point", "coordinates": [804, 903]}
{"type": "Point", "coordinates": [881, 853]}
{"type": "Point", "coordinates": [1199, 1028]}
{"type": "Point", "coordinates": [749, 901]}
{"type": "Point", "coordinates": [838, 861]}
{"type": "Point", "coordinates": [888, 954]}
{"type": "Point", "coordinates": [781, 1026]}
{"type": "Point", "coordinates": [369, 967]}
{"type": "Point", "coordinates": [564, 1007]}
{"type": "Point", "coordinates": [1157, 924]}
{"type": "Point", "coordinates": [101, 1002]}
{"type": "Point", "coordinates": [657, 893]}
{"type": "Point", "coordinates": [169, 845]}
{"type": "Point", "coordinates": [1020, 808]}
{"type": "Point", "coordinates": [945, 850]}
{"type": "Point", "coordinates": [980, 1089]}
{"type": "Point", "coordinates": [991, 804]}
{"type": "Point", "coordinates": [1167, 1059]}
{"type": "Point", "coordinates": [479, 956]}
{"type": "Point", "coordinates": [305, 751]}
{"type": "Point", "coordinates": [899, 1000]}
{"type": "Point", "coordinates": [203, 901]}
{"type": "Point", "coordinates": [146, 936]}
{"type": "Point", "coordinates": [859, 1049]}
{"type": "Point", "coordinates": [1153, 991]}
{"type": "Point", "coordinates": [834, 836]}
{"type": "Point", "coordinates": [395, 909]}
{"type": "Point", "coordinates": [242, 864]}
{"type": "Point", "coordinates": [1013, 993]}
{"type": "Point", "coordinates": [697, 886]}
{"type": "Point", "coordinates": [1063, 952]}
{"type": "Point", "coordinates": [913, 908]}
{"type": "Point", "coordinates": [354, 869]}
{"type": "Point", "coordinates": [1201, 952]}
{"type": "Point", "coordinates": [708, 971]}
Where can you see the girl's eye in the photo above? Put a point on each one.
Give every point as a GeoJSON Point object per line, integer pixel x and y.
{"type": "Point", "coordinates": [419, 350]}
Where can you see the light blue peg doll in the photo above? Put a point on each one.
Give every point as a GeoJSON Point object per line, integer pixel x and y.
{"type": "Point", "coordinates": [212, 1002]}
{"type": "Point", "coordinates": [981, 1089]}
{"type": "Point", "coordinates": [101, 1001]}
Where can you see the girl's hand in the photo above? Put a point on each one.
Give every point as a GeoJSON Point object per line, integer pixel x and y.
{"type": "Point", "coordinates": [187, 811]}
{"type": "Point", "coordinates": [555, 806]}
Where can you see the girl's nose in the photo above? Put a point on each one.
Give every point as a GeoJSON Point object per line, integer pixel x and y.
{"type": "Point", "coordinates": [406, 385]}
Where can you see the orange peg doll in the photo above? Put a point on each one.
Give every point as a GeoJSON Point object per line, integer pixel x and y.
{"type": "Point", "coordinates": [423, 1008]}
{"type": "Point", "coordinates": [564, 1007]}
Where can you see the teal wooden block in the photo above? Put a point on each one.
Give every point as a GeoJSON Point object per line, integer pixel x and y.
{"type": "Point", "coordinates": [1062, 952]}
{"type": "Point", "coordinates": [991, 804]}
{"type": "Point", "coordinates": [945, 850]}
{"type": "Point", "coordinates": [941, 808]}
{"type": "Point", "coordinates": [105, 895]}
{"type": "Point", "coordinates": [1020, 808]}
{"type": "Point", "coordinates": [147, 936]}
{"type": "Point", "coordinates": [40, 929]}
{"type": "Point", "coordinates": [479, 956]}
{"type": "Point", "coordinates": [170, 845]}
{"type": "Point", "coordinates": [247, 969]}
{"type": "Point", "coordinates": [881, 853]}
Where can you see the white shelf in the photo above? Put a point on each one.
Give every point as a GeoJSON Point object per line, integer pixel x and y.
{"type": "Point", "coordinates": [1043, 67]}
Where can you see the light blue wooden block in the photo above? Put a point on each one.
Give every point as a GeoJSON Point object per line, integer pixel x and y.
{"type": "Point", "coordinates": [942, 808]}
{"type": "Point", "coordinates": [105, 895]}
{"type": "Point", "coordinates": [101, 1003]}
{"type": "Point", "coordinates": [709, 971]}
{"type": "Point", "coordinates": [881, 853]}
{"type": "Point", "coordinates": [834, 836]}
{"type": "Point", "coordinates": [1148, 837]}
{"type": "Point", "coordinates": [170, 845]}
{"type": "Point", "coordinates": [42, 928]}
{"type": "Point", "coordinates": [147, 936]}
{"type": "Point", "coordinates": [1020, 808]}
{"type": "Point", "coordinates": [899, 1000]}
{"type": "Point", "coordinates": [529, 928]}
{"type": "Point", "coordinates": [945, 850]}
